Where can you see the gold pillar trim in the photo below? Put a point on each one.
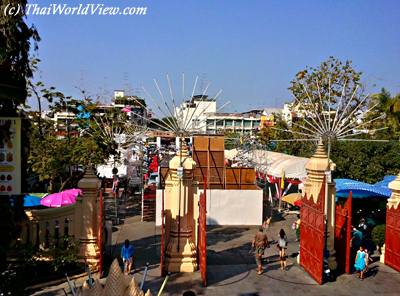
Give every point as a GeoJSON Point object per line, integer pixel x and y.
{"type": "Point", "coordinates": [394, 199]}
{"type": "Point", "coordinates": [180, 227]}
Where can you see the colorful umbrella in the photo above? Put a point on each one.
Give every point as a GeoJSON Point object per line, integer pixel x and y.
{"type": "Point", "coordinates": [59, 199]}
{"type": "Point", "coordinates": [292, 198]}
{"type": "Point", "coordinates": [40, 194]}
{"type": "Point", "coordinates": [297, 203]}
{"type": "Point", "coordinates": [74, 192]}
{"type": "Point", "coordinates": [31, 201]}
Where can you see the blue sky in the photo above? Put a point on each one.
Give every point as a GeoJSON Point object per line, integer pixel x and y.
{"type": "Point", "coordinates": [250, 49]}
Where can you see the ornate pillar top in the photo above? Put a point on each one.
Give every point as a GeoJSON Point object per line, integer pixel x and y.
{"type": "Point", "coordinates": [394, 199]}
{"type": "Point", "coordinates": [89, 180]}
{"type": "Point", "coordinates": [182, 158]}
{"type": "Point", "coordinates": [395, 184]}
{"type": "Point", "coordinates": [319, 161]}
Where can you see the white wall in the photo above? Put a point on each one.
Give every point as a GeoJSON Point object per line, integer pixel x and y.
{"type": "Point", "coordinates": [228, 207]}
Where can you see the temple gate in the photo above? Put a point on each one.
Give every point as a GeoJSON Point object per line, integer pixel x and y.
{"type": "Point", "coordinates": [343, 235]}
{"type": "Point", "coordinates": [392, 238]}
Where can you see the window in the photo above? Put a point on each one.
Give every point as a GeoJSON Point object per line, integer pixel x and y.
{"type": "Point", "coordinates": [238, 123]}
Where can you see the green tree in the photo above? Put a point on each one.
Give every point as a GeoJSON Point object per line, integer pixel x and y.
{"type": "Point", "coordinates": [278, 139]}
{"type": "Point", "coordinates": [325, 82]}
{"type": "Point", "coordinates": [232, 140]}
{"type": "Point", "coordinates": [366, 161]}
{"type": "Point", "coordinates": [16, 41]}
{"type": "Point", "coordinates": [384, 104]}
{"type": "Point", "coordinates": [52, 158]}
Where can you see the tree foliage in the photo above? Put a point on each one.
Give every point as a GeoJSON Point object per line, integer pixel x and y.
{"type": "Point", "coordinates": [16, 40]}
{"type": "Point", "coordinates": [312, 88]}
{"type": "Point", "coordinates": [329, 82]}
{"type": "Point", "coordinates": [59, 161]}
{"type": "Point", "coordinates": [366, 161]}
{"type": "Point", "coordinates": [384, 104]}
{"type": "Point", "coordinates": [271, 136]}
{"type": "Point", "coordinates": [232, 140]}
{"type": "Point", "coordinates": [378, 235]}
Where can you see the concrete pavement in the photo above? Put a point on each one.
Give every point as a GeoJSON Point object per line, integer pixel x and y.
{"type": "Point", "coordinates": [231, 267]}
{"type": "Point", "coordinates": [232, 270]}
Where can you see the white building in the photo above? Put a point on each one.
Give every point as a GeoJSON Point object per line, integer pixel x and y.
{"type": "Point", "coordinates": [235, 122]}
{"type": "Point", "coordinates": [195, 112]}
{"type": "Point", "coordinates": [291, 112]}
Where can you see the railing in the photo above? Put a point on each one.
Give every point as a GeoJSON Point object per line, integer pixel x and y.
{"type": "Point", "coordinates": [46, 227]}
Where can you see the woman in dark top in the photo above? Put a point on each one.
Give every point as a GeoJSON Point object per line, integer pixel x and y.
{"type": "Point", "coordinates": [282, 246]}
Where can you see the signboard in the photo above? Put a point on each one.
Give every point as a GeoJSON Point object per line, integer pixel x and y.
{"type": "Point", "coordinates": [10, 155]}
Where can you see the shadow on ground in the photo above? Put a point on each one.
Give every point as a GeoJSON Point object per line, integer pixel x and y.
{"type": "Point", "coordinates": [236, 263]}
{"type": "Point", "coordinates": [217, 233]}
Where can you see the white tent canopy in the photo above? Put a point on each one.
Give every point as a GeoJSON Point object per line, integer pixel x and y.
{"type": "Point", "coordinates": [272, 163]}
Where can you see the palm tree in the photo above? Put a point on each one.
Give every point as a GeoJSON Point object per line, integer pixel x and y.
{"type": "Point", "coordinates": [390, 106]}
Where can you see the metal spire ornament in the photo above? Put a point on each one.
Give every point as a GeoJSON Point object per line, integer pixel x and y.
{"type": "Point", "coordinates": [329, 119]}
{"type": "Point", "coordinates": [181, 117]}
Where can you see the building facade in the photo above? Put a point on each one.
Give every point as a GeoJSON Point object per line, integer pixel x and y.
{"type": "Point", "coordinates": [194, 112]}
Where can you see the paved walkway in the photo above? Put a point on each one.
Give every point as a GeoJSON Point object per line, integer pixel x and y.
{"type": "Point", "coordinates": [232, 270]}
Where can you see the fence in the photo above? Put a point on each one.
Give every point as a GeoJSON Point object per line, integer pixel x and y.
{"type": "Point", "coordinates": [46, 227]}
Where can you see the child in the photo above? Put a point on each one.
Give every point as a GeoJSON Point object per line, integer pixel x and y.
{"type": "Point", "coordinates": [266, 223]}
{"type": "Point", "coordinates": [127, 256]}
{"type": "Point", "coordinates": [367, 259]}
{"type": "Point", "coordinates": [360, 263]}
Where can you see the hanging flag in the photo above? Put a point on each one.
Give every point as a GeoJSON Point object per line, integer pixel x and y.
{"type": "Point", "coordinates": [287, 189]}
{"type": "Point", "coordinates": [269, 194]}
{"type": "Point", "coordinates": [283, 179]}
{"type": "Point", "coordinates": [277, 191]}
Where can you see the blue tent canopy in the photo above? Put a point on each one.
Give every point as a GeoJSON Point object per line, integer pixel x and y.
{"type": "Point", "coordinates": [362, 190]}
{"type": "Point", "coordinates": [386, 180]}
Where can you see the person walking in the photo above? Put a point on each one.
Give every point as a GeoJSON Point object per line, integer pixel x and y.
{"type": "Point", "coordinates": [282, 246]}
{"type": "Point", "coordinates": [260, 242]}
{"type": "Point", "coordinates": [266, 223]}
{"type": "Point", "coordinates": [127, 256]}
{"type": "Point", "coordinates": [360, 263]}
{"type": "Point", "coordinates": [298, 221]}
{"type": "Point", "coordinates": [115, 186]}
{"type": "Point", "coordinates": [367, 260]}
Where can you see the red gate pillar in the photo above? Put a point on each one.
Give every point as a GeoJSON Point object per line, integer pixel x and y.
{"type": "Point", "coordinates": [330, 201]}
{"type": "Point", "coordinates": [392, 238]}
